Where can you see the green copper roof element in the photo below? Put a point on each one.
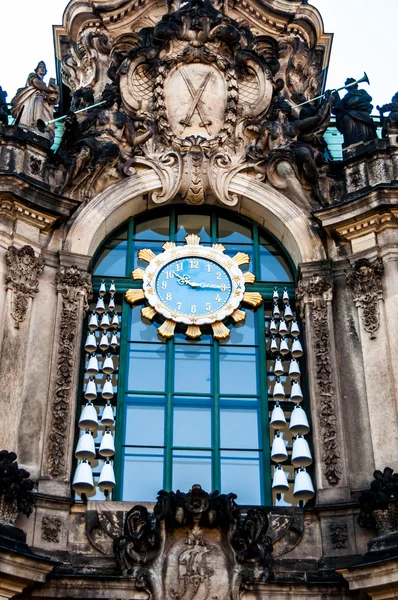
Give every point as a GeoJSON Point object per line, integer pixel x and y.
{"type": "Point", "coordinates": [59, 131]}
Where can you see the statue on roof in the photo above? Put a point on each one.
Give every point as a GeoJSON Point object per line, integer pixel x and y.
{"type": "Point", "coordinates": [4, 110]}
{"type": "Point", "coordinates": [352, 112]}
{"type": "Point", "coordinates": [389, 123]}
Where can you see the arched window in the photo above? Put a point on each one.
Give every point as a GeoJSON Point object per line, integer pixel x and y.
{"type": "Point", "coordinates": [191, 411]}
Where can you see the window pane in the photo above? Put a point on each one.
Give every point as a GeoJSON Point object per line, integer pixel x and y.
{"type": "Point", "coordinates": [244, 333]}
{"type": "Point", "coordinates": [156, 229]}
{"type": "Point", "coordinates": [240, 473]}
{"type": "Point", "coordinates": [238, 373]}
{"type": "Point", "coordinates": [192, 426]}
{"type": "Point", "coordinates": [232, 249]}
{"type": "Point", "coordinates": [112, 260]}
{"type": "Point", "coordinates": [147, 367]}
{"type": "Point", "coordinates": [142, 330]}
{"type": "Point", "coordinates": [239, 428]}
{"type": "Point", "coordinates": [192, 369]}
{"type": "Point", "coordinates": [156, 247]}
{"type": "Point", "coordinates": [233, 232]}
{"type": "Point", "coordinates": [190, 467]}
{"type": "Point", "coordinates": [144, 425]}
{"type": "Point", "coordinates": [143, 475]}
{"type": "Point", "coordinates": [199, 224]}
{"type": "Point", "coordinates": [273, 267]}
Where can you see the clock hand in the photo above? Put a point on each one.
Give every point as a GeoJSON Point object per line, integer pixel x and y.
{"type": "Point", "coordinates": [183, 279]}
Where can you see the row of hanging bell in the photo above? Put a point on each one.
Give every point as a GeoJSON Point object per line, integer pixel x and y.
{"type": "Point", "coordinates": [296, 349]}
{"type": "Point", "coordinates": [102, 290]}
{"type": "Point", "coordinates": [303, 487]}
{"type": "Point", "coordinates": [83, 481]}
{"type": "Point", "coordinates": [301, 453]}
{"type": "Point", "coordinates": [86, 446]}
{"type": "Point", "coordinates": [105, 323]}
{"type": "Point", "coordinates": [287, 312]}
{"type": "Point", "coordinates": [294, 368]}
{"type": "Point", "coordinates": [282, 328]}
{"type": "Point", "coordinates": [298, 420]}
{"type": "Point", "coordinates": [278, 393]}
{"type": "Point", "coordinates": [90, 392]}
{"type": "Point", "coordinates": [285, 296]}
{"type": "Point", "coordinates": [89, 418]}
{"type": "Point", "coordinates": [91, 343]}
{"type": "Point", "coordinates": [100, 306]}
{"type": "Point", "coordinates": [93, 367]}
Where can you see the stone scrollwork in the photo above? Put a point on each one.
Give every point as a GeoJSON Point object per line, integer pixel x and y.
{"type": "Point", "coordinates": [74, 286]}
{"type": "Point", "coordinates": [316, 291]}
{"type": "Point", "coordinates": [23, 270]}
{"type": "Point", "coordinates": [367, 291]}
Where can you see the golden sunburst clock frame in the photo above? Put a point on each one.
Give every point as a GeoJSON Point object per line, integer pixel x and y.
{"type": "Point", "coordinates": [192, 250]}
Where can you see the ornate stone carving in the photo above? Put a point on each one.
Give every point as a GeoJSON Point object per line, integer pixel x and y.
{"type": "Point", "coordinates": [316, 291]}
{"type": "Point", "coordinates": [140, 543]}
{"type": "Point", "coordinates": [253, 545]}
{"type": "Point", "coordinates": [352, 112]}
{"type": "Point", "coordinates": [51, 529]}
{"type": "Point", "coordinates": [338, 534]}
{"type": "Point", "coordinates": [74, 286]}
{"type": "Point", "coordinates": [15, 489]}
{"type": "Point", "coordinates": [23, 278]}
{"type": "Point", "coordinates": [367, 291]}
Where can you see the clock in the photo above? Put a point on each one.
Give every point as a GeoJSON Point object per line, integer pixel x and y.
{"type": "Point", "coordinates": [194, 286]}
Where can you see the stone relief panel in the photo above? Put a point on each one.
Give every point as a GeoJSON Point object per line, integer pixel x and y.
{"type": "Point", "coordinates": [51, 529]}
{"type": "Point", "coordinates": [23, 270]}
{"type": "Point", "coordinates": [366, 286]}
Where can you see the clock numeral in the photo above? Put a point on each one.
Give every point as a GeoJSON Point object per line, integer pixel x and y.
{"type": "Point", "coordinates": [223, 287]}
{"type": "Point", "coordinates": [179, 266]}
{"type": "Point", "coordinates": [169, 274]}
{"type": "Point", "coordinates": [194, 263]}
{"type": "Point", "coordinates": [218, 298]}
{"type": "Point", "coordinates": [169, 296]}
{"type": "Point", "coordinates": [208, 306]}
{"type": "Point", "coordinates": [164, 285]}
{"type": "Point", "coordinates": [193, 309]}
{"type": "Point", "coordinates": [218, 275]}
{"type": "Point", "coordinates": [179, 304]}
{"type": "Point", "coordinates": [208, 267]}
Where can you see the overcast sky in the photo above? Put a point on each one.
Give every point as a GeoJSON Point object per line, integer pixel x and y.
{"type": "Point", "coordinates": [365, 40]}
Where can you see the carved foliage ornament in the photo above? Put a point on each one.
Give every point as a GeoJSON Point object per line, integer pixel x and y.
{"type": "Point", "coordinates": [367, 291]}
{"type": "Point", "coordinates": [23, 270]}
{"type": "Point", "coordinates": [338, 534]}
{"type": "Point", "coordinates": [51, 529]}
{"type": "Point", "coordinates": [74, 287]}
{"type": "Point", "coordinates": [316, 291]}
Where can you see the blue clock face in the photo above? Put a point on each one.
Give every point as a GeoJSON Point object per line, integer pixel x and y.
{"type": "Point", "coordinates": [193, 286]}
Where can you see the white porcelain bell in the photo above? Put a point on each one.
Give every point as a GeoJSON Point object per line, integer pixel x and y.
{"type": "Point", "coordinates": [114, 342]}
{"type": "Point", "coordinates": [278, 393]}
{"type": "Point", "coordinates": [107, 447]}
{"type": "Point", "coordinates": [85, 446]}
{"type": "Point", "coordinates": [284, 349]}
{"type": "Point", "coordinates": [283, 329]}
{"type": "Point", "coordinates": [83, 482]}
{"type": "Point", "coordinates": [278, 420]}
{"type": "Point", "coordinates": [301, 453]}
{"type": "Point", "coordinates": [275, 295]}
{"type": "Point", "coordinates": [298, 421]}
{"type": "Point", "coordinates": [279, 482]}
{"type": "Point", "coordinates": [294, 368]}
{"type": "Point", "coordinates": [104, 342]}
{"type": "Point", "coordinates": [90, 392]}
{"type": "Point", "coordinates": [107, 391]}
{"type": "Point", "coordinates": [294, 329]}
{"type": "Point", "coordinates": [303, 488]}
{"type": "Point", "coordinates": [274, 344]}
{"type": "Point", "coordinates": [288, 314]}
{"type": "Point", "coordinates": [92, 367]}
{"type": "Point", "coordinates": [100, 307]}
{"type": "Point", "coordinates": [276, 312]}
{"type": "Point", "coordinates": [297, 349]}
{"type": "Point", "coordinates": [112, 288]}
{"type": "Point", "coordinates": [105, 322]}
{"type": "Point", "coordinates": [296, 395]}
{"type": "Point", "coordinates": [93, 322]}
{"type": "Point", "coordinates": [278, 367]}
{"type": "Point", "coordinates": [115, 321]}
{"type": "Point", "coordinates": [278, 452]}
{"type": "Point", "coordinates": [88, 418]}
{"type": "Point", "coordinates": [91, 343]}
{"type": "Point", "coordinates": [285, 296]}
{"type": "Point", "coordinates": [108, 367]}
{"type": "Point", "coordinates": [107, 479]}
{"type": "Point", "coordinates": [107, 418]}
{"type": "Point", "coordinates": [111, 305]}
{"type": "Point", "coordinates": [102, 290]}
{"type": "Point", "coordinates": [272, 327]}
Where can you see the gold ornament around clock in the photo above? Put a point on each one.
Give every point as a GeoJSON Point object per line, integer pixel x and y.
{"type": "Point", "coordinates": [194, 286]}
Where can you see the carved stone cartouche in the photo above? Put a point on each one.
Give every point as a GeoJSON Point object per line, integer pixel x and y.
{"type": "Point", "coordinates": [23, 270]}
{"type": "Point", "coordinates": [367, 291]}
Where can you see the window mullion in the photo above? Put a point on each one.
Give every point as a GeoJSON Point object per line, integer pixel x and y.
{"type": "Point", "coordinates": [262, 373]}
{"type": "Point", "coordinates": [168, 469]}
{"type": "Point", "coordinates": [216, 471]}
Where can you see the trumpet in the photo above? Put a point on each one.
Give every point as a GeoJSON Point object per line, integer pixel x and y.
{"type": "Point", "coordinates": [364, 78]}
{"type": "Point", "coordinates": [42, 125]}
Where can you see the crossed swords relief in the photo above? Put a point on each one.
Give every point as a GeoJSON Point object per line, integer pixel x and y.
{"type": "Point", "coordinates": [196, 104]}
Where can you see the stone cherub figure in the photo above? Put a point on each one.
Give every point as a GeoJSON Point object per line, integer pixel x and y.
{"type": "Point", "coordinates": [352, 112]}
{"type": "Point", "coordinates": [36, 99]}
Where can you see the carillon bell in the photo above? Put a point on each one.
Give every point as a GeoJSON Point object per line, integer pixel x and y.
{"type": "Point", "coordinates": [107, 418]}
{"type": "Point", "coordinates": [88, 418]}
{"type": "Point", "coordinates": [285, 296]}
{"type": "Point", "coordinates": [100, 307]}
{"type": "Point", "coordinates": [294, 368]}
{"type": "Point", "coordinates": [105, 322]}
{"type": "Point", "coordinates": [111, 305]}
{"type": "Point", "coordinates": [301, 453]}
{"type": "Point", "coordinates": [294, 329]}
{"type": "Point", "coordinates": [114, 342]}
{"type": "Point", "coordinates": [83, 482]}
{"type": "Point", "coordinates": [112, 288]}
{"type": "Point", "coordinates": [275, 295]}
{"type": "Point", "coordinates": [92, 367]}
{"type": "Point", "coordinates": [278, 393]}
{"type": "Point", "coordinates": [104, 342]}
{"type": "Point", "coordinates": [274, 344]}
{"type": "Point", "coordinates": [107, 479]}
{"type": "Point", "coordinates": [93, 322]}
{"type": "Point", "coordinates": [108, 367]}
{"type": "Point", "coordinates": [284, 349]}
{"type": "Point", "coordinates": [278, 367]}
{"type": "Point", "coordinates": [296, 395]}
{"type": "Point", "coordinates": [283, 330]}
{"type": "Point", "coordinates": [278, 420]}
{"type": "Point", "coordinates": [115, 321]}
{"type": "Point", "coordinates": [303, 488]}
{"type": "Point", "coordinates": [90, 392]}
{"type": "Point", "coordinates": [85, 447]}
{"type": "Point", "coordinates": [278, 452]}
{"type": "Point", "coordinates": [298, 421]}
{"type": "Point", "coordinates": [272, 327]}
{"type": "Point", "coordinates": [279, 482]}
{"type": "Point", "coordinates": [102, 290]}
{"type": "Point", "coordinates": [107, 447]}
{"type": "Point", "coordinates": [288, 314]}
{"type": "Point", "coordinates": [276, 312]}
{"type": "Point", "coordinates": [107, 391]}
{"type": "Point", "coordinates": [91, 343]}
{"type": "Point", "coordinates": [297, 349]}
